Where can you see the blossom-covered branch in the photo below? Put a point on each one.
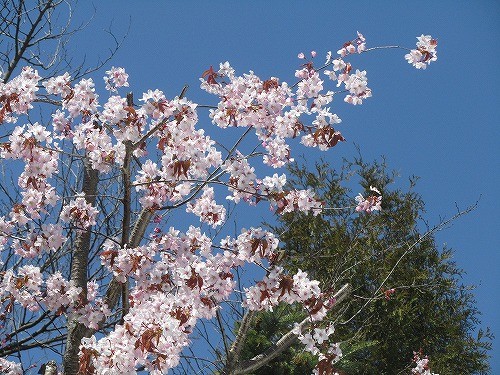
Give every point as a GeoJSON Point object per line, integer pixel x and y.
{"type": "Point", "coordinates": [73, 245]}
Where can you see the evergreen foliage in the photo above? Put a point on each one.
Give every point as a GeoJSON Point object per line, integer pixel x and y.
{"type": "Point", "coordinates": [430, 309]}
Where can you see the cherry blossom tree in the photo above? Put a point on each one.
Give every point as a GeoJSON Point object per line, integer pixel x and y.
{"type": "Point", "coordinates": [90, 268]}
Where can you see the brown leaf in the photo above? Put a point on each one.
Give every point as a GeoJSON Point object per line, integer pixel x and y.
{"type": "Point", "coordinates": [210, 75]}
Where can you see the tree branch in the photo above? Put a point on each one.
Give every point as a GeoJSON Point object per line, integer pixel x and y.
{"type": "Point", "coordinates": [283, 343]}
{"type": "Point", "coordinates": [20, 51]}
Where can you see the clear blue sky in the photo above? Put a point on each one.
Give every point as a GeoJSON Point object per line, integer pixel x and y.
{"type": "Point", "coordinates": [440, 124]}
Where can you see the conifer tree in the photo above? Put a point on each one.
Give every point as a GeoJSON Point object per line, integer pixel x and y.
{"type": "Point", "coordinates": [408, 293]}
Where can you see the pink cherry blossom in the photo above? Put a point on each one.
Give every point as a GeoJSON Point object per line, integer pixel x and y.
{"type": "Point", "coordinates": [424, 54]}
{"type": "Point", "coordinates": [115, 78]}
{"type": "Point", "coordinates": [371, 203]}
{"type": "Point", "coordinates": [207, 209]}
{"type": "Point", "coordinates": [60, 292]}
{"type": "Point", "coordinates": [79, 212]}
{"type": "Point", "coordinates": [155, 157]}
{"type": "Point", "coordinates": [10, 368]}
{"type": "Point", "coordinates": [422, 365]}
{"type": "Point", "coordinates": [17, 95]}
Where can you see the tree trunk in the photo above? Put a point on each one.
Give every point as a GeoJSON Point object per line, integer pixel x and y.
{"type": "Point", "coordinates": [76, 330]}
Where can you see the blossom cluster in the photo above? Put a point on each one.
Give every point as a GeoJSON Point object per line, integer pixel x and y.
{"type": "Point", "coordinates": [31, 143]}
{"type": "Point", "coordinates": [425, 52]}
{"type": "Point", "coordinates": [315, 338]}
{"type": "Point", "coordinates": [370, 203]}
{"type": "Point", "coordinates": [358, 45]}
{"type": "Point", "coordinates": [207, 209]}
{"type": "Point", "coordinates": [422, 366]}
{"type": "Point", "coordinates": [17, 95]}
{"type": "Point", "coordinates": [275, 109]}
{"type": "Point", "coordinates": [27, 288]}
{"type": "Point", "coordinates": [278, 287]}
{"type": "Point", "coordinates": [79, 212]}
{"type": "Point", "coordinates": [356, 84]}
{"type": "Point", "coordinates": [115, 78]}
{"type": "Point", "coordinates": [36, 242]}
{"type": "Point", "coordinates": [170, 294]}
{"type": "Point", "coordinates": [317, 341]}
{"type": "Point", "coordinates": [10, 368]}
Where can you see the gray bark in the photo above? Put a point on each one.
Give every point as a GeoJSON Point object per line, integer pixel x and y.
{"type": "Point", "coordinates": [79, 266]}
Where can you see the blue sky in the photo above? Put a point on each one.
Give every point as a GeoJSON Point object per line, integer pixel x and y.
{"type": "Point", "coordinates": [440, 124]}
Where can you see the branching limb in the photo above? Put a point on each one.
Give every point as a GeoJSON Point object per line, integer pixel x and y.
{"type": "Point", "coordinates": [281, 345]}
{"type": "Point", "coordinates": [410, 248]}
